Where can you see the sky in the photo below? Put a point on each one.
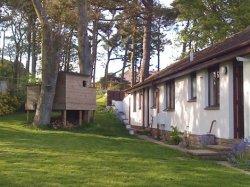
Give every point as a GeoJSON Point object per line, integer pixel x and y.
{"type": "Point", "coordinates": [168, 56]}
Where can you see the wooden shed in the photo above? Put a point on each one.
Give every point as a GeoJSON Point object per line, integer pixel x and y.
{"type": "Point", "coordinates": [73, 95]}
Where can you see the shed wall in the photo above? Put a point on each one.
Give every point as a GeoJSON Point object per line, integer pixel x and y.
{"type": "Point", "coordinates": [77, 96]}
{"type": "Point", "coordinates": [60, 95]}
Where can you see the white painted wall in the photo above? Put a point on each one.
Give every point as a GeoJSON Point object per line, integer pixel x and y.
{"type": "Point", "coordinates": [246, 87]}
{"type": "Point", "coordinates": [118, 105]}
{"type": "Point", "coordinates": [192, 116]}
{"type": "Point", "coordinates": [135, 116]}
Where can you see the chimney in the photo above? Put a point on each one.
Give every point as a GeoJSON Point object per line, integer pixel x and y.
{"type": "Point", "coordinates": [191, 55]}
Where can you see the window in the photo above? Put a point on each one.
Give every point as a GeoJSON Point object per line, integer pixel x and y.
{"type": "Point", "coordinates": [214, 87]}
{"type": "Point", "coordinates": [155, 97]}
{"type": "Point", "coordinates": [170, 95]}
{"type": "Point", "coordinates": [140, 99]}
{"type": "Point", "coordinates": [84, 83]}
{"type": "Point", "coordinates": [134, 101]}
{"type": "Point", "coordinates": [193, 86]}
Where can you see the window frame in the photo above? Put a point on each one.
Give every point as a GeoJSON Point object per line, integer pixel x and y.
{"type": "Point", "coordinates": [84, 83]}
{"type": "Point", "coordinates": [155, 97]}
{"type": "Point", "coordinates": [193, 77]}
{"type": "Point", "coordinates": [140, 99]}
{"type": "Point", "coordinates": [134, 102]}
{"type": "Point", "coordinates": [214, 73]}
{"type": "Point", "coordinates": [170, 95]}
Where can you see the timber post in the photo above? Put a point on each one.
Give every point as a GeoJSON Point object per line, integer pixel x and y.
{"type": "Point", "coordinates": [80, 117]}
{"type": "Point", "coordinates": [27, 116]}
{"type": "Point", "coordinates": [65, 117]}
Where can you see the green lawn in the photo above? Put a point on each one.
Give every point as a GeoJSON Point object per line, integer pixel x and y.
{"type": "Point", "coordinates": [101, 154]}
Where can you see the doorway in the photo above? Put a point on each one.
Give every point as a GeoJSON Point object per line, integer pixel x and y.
{"type": "Point", "coordinates": [238, 101]}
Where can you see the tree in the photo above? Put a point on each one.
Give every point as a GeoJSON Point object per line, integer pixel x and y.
{"type": "Point", "coordinates": [50, 61]}
{"type": "Point", "coordinates": [96, 16]}
{"type": "Point", "coordinates": [83, 39]}
{"type": "Point", "coordinates": [148, 4]}
{"type": "Point", "coordinates": [153, 12]}
{"type": "Point", "coordinates": [18, 33]}
{"type": "Point", "coordinates": [207, 22]}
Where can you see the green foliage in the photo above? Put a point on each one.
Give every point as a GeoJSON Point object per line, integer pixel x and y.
{"type": "Point", "coordinates": [175, 135]}
{"type": "Point", "coordinates": [6, 69]}
{"type": "Point", "coordinates": [22, 84]}
{"type": "Point", "coordinates": [101, 100]}
{"type": "Point", "coordinates": [109, 85]}
{"type": "Point", "coordinates": [6, 73]}
{"type": "Point", "coordinates": [211, 21]}
{"type": "Point", "coordinates": [8, 104]}
{"type": "Point", "coordinates": [243, 161]}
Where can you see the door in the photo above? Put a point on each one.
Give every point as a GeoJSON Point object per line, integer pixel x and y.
{"type": "Point", "coordinates": [147, 108]}
{"type": "Point", "coordinates": [143, 107]}
{"type": "Point", "coordinates": [238, 101]}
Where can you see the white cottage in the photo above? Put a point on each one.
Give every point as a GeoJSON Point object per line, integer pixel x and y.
{"type": "Point", "coordinates": [212, 87]}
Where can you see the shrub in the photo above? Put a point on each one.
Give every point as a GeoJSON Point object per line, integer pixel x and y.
{"type": "Point", "coordinates": [8, 104]}
{"type": "Point", "coordinates": [175, 135]}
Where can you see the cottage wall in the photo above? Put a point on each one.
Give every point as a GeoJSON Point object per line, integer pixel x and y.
{"type": "Point", "coordinates": [246, 87]}
{"type": "Point", "coordinates": [191, 116]}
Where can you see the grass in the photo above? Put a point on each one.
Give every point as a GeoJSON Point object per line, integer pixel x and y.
{"type": "Point", "coordinates": [244, 162]}
{"type": "Point", "coordinates": [100, 154]}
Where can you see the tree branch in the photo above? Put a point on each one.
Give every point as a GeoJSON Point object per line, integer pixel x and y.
{"type": "Point", "coordinates": [40, 11]}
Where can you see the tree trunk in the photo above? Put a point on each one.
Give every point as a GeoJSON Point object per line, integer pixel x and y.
{"type": "Point", "coordinates": [146, 41]}
{"type": "Point", "coordinates": [132, 62]}
{"type": "Point", "coordinates": [83, 40]}
{"type": "Point", "coordinates": [16, 67]}
{"type": "Point", "coordinates": [184, 45]}
{"type": "Point", "coordinates": [49, 78]}
{"type": "Point", "coordinates": [107, 65]}
{"type": "Point", "coordinates": [158, 46]}
{"type": "Point", "coordinates": [50, 59]}
{"type": "Point", "coordinates": [125, 58]}
{"type": "Point", "coordinates": [158, 59]}
{"type": "Point", "coordinates": [29, 45]}
{"type": "Point", "coordinates": [33, 48]}
{"type": "Point", "coordinates": [68, 51]}
{"type": "Point", "coordinates": [3, 45]}
{"type": "Point", "coordinates": [94, 50]}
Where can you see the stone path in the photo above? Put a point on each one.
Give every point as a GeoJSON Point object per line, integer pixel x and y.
{"type": "Point", "coordinates": [201, 153]}
{"type": "Point", "coordinates": [227, 164]}
{"type": "Point", "coordinates": [197, 152]}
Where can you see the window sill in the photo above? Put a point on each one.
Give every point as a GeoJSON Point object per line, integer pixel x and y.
{"type": "Point", "coordinates": [168, 110]}
{"type": "Point", "coordinates": [212, 108]}
{"type": "Point", "coordinates": [192, 100]}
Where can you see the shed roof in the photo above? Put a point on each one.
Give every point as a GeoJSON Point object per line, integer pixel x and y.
{"type": "Point", "coordinates": [74, 73]}
{"type": "Point", "coordinates": [238, 44]}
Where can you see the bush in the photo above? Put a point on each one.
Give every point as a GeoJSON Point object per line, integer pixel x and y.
{"type": "Point", "coordinates": [8, 104]}
{"type": "Point", "coordinates": [175, 135]}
